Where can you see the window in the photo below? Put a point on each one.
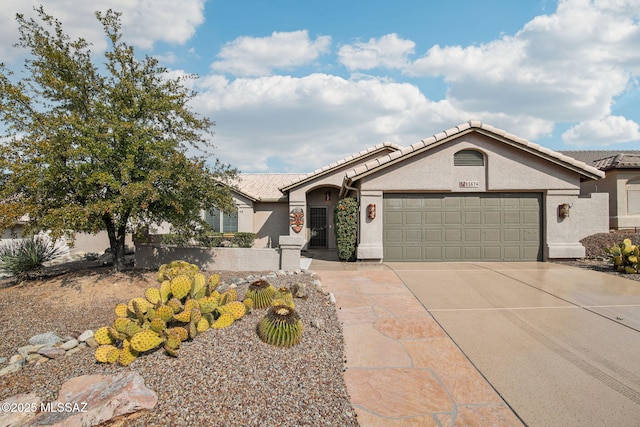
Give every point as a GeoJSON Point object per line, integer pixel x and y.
{"type": "Point", "coordinates": [222, 222]}
{"type": "Point", "coordinates": [468, 158]}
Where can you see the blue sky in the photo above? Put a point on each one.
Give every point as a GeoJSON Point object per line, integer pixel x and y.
{"type": "Point", "coordinates": [295, 85]}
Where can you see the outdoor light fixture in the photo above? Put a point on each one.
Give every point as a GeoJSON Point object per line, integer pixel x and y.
{"type": "Point", "coordinates": [371, 211]}
{"type": "Point", "coordinates": [563, 210]}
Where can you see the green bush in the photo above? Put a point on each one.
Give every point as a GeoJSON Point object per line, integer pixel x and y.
{"type": "Point", "coordinates": [346, 228]}
{"type": "Point", "coordinates": [175, 239]}
{"type": "Point", "coordinates": [21, 257]}
{"type": "Point", "coordinates": [244, 240]}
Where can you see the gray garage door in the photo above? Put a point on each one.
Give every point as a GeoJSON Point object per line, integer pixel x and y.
{"type": "Point", "coordinates": [462, 227]}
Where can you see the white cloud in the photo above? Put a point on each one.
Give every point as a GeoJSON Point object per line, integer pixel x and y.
{"type": "Point", "coordinates": [607, 131]}
{"type": "Point", "coordinates": [258, 56]}
{"type": "Point", "coordinates": [388, 51]}
{"type": "Point", "coordinates": [568, 66]}
{"type": "Point", "coordinates": [144, 22]}
{"type": "Point", "coordinates": [308, 122]}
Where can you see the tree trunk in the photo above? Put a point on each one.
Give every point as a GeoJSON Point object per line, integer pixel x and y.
{"type": "Point", "coordinates": [117, 236]}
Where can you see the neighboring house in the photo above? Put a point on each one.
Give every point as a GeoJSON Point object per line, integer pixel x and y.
{"type": "Point", "coordinates": [622, 183]}
{"type": "Point", "coordinates": [471, 193]}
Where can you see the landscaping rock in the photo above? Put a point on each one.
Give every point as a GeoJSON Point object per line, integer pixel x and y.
{"type": "Point", "coordinates": [91, 342]}
{"type": "Point", "coordinates": [20, 418]}
{"type": "Point", "coordinates": [85, 335]}
{"type": "Point", "coordinates": [16, 358]}
{"type": "Point", "coordinates": [3, 360]}
{"type": "Point", "coordinates": [26, 350]}
{"type": "Point", "coordinates": [52, 352]}
{"type": "Point", "coordinates": [9, 369]}
{"type": "Point", "coordinates": [72, 343]}
{"type": "Point", "coordinates": [47, 339]}
{"type": "Point", "coordinates": [97, 399]}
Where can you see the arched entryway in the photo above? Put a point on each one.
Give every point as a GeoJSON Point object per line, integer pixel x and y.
{"type": "Point", "coordinates": [321, 203]}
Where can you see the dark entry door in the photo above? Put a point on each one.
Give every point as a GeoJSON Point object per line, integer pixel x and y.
{"type": "Point", "coordinates": [318, 225]}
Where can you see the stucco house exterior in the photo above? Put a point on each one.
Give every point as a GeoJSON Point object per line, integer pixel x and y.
{"type": "Point", "coordinates": [471, 193]}
{"type": "Point", "coordinates": [621, 182]}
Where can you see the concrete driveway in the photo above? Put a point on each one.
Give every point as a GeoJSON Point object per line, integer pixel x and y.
{"type": "Point", "coordinates": [561, 345]}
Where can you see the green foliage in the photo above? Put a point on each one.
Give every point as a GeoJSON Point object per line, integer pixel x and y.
{"type": "Point", "coordinates": [244, 240]}
{"type": "Point", "coordinates": [93, 148]}
{"type": "Point", "coordinates": [24, 256]}
{"type": "Point", "coordinates": [281, 326]}
{"type": "Point", "coordinates": [210, 240]}
{"type": "Point", "coordinates": [346, 228]}
{"type": "Point", "coordinates": [625, 256]}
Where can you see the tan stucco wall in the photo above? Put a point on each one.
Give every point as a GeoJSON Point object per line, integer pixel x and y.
{"type": "Point", "coordinates": [617, 183]}
{"type": "Point", "coordinates": [270, 221]}
{"type": "Point", "coordinates": [507, 169]}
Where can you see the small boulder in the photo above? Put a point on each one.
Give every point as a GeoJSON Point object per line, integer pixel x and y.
{"type": "Point", "coordinates": [85, 335]}
{"type": "Point", "coordinates": [97, 399]}
{"type": "Point", "coordinates": [9, 369]}
{"type": "Point", "coordinates": [72, 343]}
{"type": "Point", "coordinates": [52, 352]}
{"type": "Point", "coordinates": [48, 339]}
{"type": "Point", "coordinates": [91, 342]}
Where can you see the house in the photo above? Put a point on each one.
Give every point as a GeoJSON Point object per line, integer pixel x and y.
{"type": "Point", "coordinates": [470, 193]}
{"type": "Point", "coordinates": [622, 183]}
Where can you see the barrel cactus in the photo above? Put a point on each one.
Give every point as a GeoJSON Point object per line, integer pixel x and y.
{"type": "Point", "coordinates": [261, 293]}
{"type": "Point", "coordinates": [281, 326]}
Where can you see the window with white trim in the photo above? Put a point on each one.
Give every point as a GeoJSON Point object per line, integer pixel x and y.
{"type": "Point", "coordinates": [221, 221]}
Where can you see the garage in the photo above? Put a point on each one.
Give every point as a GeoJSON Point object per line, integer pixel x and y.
{"type": "Point", "coordinates": [462, 227]}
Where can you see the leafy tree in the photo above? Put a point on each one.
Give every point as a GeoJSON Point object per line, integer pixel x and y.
{"type": "Point", "coordinates": [93, 148]}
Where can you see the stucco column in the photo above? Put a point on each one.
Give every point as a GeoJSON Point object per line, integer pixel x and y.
{"type": "Point", "coordinates": [298, 201]}
{"type": "Point", "coordinates": [290, 252]}
{"type": "Point", "coordinates": [370, 237]}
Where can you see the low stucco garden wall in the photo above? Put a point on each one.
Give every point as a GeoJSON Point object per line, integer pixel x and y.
{"type": "Point", "coordinates": [287, 257]}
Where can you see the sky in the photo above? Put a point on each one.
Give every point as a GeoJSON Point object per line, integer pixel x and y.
{"type": "Point", "coordinates": [295, 85]}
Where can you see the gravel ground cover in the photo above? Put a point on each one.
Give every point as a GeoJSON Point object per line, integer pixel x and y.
{"type": "Point", "coordinates": [223, 377]}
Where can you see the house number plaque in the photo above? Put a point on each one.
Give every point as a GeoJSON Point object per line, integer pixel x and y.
{"type": "Point", "coordinates": [468, 184]}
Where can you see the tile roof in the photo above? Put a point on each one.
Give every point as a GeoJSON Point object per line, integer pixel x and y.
{"type": "Point", "coordinates": [590, 156]}
{"type": "Point", "coordinates": [437, 139]}
{"type": "Point", "coordinates": [345, 161]}
{"type": "Point", "coordinates": [618, 161]}
{"type": "Point", "coordinates": [265, 186]}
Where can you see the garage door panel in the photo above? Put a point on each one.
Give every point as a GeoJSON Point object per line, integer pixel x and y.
{"type": "Point", "coordinates": [463, 227]}
{"type": "Point", "coordinates": [413, 236]}
{"type": "Point", "coordinates": [413, 253]}
{"type": "Point", "coordinates": [393, 218]}
{"type": "Point", "coordinates": [433, 218]}
{"type": "Point", "coordinates": [413, 218]}
{"type": "Point", "coordinates": [452, 235]}
{"type": "Point", "coordinates": [433, 235]}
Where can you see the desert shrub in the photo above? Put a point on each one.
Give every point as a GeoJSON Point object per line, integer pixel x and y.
{"type": "Point", "coordinates": [24, 256]}
{"type": "Point", "coordinates": [175, 239]}
{"type": "Point", "coordinates": [243, 240]}
{"type": "Point", "coordinates": [346, 228]}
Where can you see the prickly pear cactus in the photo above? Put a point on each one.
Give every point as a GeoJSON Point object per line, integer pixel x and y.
{"type": "Point", "coordinates": [184, 304]}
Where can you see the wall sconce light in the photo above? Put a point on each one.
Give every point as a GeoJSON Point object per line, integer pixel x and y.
{"type": "Point", "coordinates": [327, 196]}
{"type": "Point", "coordinates": [371, 211]}
{"type": "Point", "coordinates": [563, 210]}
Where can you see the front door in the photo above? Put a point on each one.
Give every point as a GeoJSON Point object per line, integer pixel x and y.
{"type": "Point", "coordinates": [318, 225]}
